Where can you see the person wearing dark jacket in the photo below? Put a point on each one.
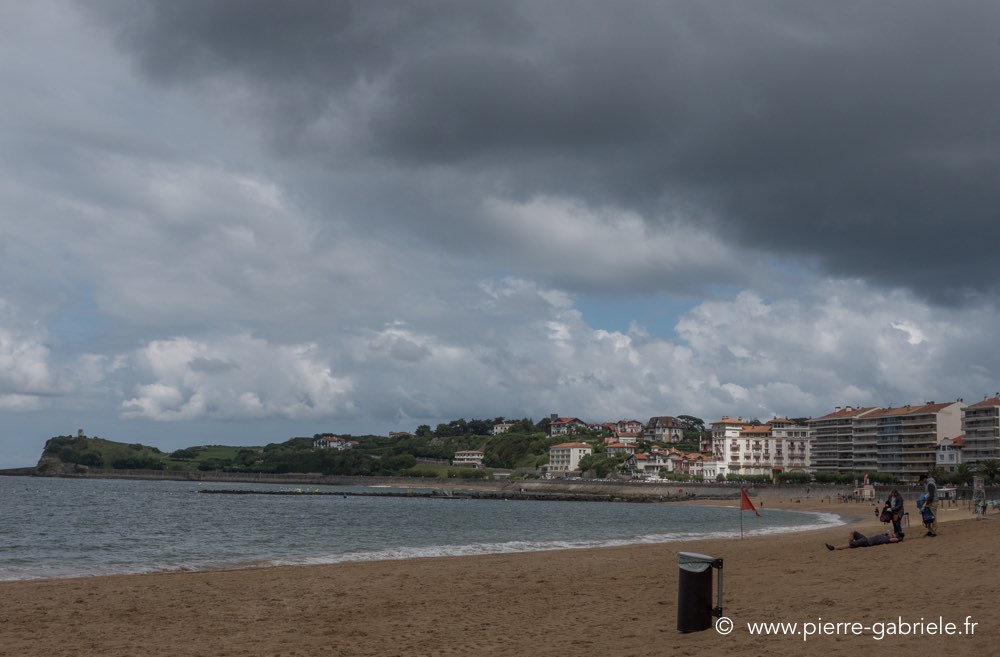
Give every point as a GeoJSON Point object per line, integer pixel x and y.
{"type": "Point", "coordinates": [859, 540]}
{"type": "Point", "coordinates": [930, 502]}
{"type": "Point", "coordinates": [894, 505]}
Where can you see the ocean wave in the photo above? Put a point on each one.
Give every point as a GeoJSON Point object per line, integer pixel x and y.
{"type": "Point", "coordinates": [821, 521]}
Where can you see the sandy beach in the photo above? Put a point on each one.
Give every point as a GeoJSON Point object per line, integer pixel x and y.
{"type": "Point", "coordinates": [615, 601]}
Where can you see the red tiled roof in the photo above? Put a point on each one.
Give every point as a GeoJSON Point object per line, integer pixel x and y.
{"type": "Point", "coordinates": [889, 412]}
{"type": "Point", "coordinates": [931, 407]}
{"type": "Point", "coordinates": [919, 409]}
{"type": "Point", "coordinates": [846, 412]}
{"type": "Point", "coordinates": [762, 428]}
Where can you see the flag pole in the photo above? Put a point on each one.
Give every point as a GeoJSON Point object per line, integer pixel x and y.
{"type": "Point", "coordinates": [745, 504]}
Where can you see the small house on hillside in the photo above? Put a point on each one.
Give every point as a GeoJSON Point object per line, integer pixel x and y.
{"type": "Point", "coordinates": [472, 458]}
{"type": "Point", "coordinates": [330, 441]}
{"type": "Point", "coordinates": [564, 426]}
{"type": "Point", "coordinates": [615, 449]}
{"type": "Point", "coordinates": [664, 428]}
{"type": "Point", "coordinates": [502, 427]}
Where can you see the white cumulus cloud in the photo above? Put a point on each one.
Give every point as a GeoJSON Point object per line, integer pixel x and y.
{"type": "Point", "coordinates": [234, 377]}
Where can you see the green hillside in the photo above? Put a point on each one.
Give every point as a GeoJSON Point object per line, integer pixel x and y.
{"type": "Point", "coordinates": [427, 452]}
{"type": "Point", "coordinates": [368, 455]}
{"type": "Point", "coordinates": [100, 453]}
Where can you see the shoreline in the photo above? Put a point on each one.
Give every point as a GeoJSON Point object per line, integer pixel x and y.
{"type": "Point", "coordinates": [615, 600]}
{"type": "Point", "coordinates": [817, 519]}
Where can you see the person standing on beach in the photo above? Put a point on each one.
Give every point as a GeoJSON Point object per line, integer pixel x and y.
{"type": "Point", "coordinates": [895, 506]}
{"type": "Point", "coordinates": [930, 502]}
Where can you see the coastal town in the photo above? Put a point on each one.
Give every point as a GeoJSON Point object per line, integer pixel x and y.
{"type": "Point", "coordinates": [898, 443]}
{"type": "Point", "coordinates": [890, 445]}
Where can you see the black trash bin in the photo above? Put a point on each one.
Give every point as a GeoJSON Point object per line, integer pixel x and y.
{"type": "Point", "coordinates": [694, 591]}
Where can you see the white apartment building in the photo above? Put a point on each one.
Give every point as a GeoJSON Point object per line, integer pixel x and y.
{"type": "Point", "coordinates": [833, 439]}
{"type": "Point", "coordinates": [792, 446]}
{"type": "Point", "coordinates": [753, 452]}
{"type": "Point", "coordinates": [907, 437]}
{"type": "Point", "coordinates": [722, 431]}
{"type": "Point", "coordinates": [471, 458]}
{"type": "Point", "coordinates": [949, 453]}
{"type": "Point", "coordinates": [566, 457]}
{"type": "Point", "coordinates": [767, 449]}
{"type": "Point", "coordinates": [864, 448]}
{"type": "Point", "coordinates": [981, 431]}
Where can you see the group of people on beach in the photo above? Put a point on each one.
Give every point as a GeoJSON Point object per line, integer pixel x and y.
{"type": "Point", "coordinates": [893, 512]}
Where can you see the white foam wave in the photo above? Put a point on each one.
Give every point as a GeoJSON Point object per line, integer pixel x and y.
{"type": "Point", "coordinates": [822, 521]}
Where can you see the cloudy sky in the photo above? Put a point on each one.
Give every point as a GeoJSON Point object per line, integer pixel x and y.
{"type": "Point", "coordinates": [241, 221]}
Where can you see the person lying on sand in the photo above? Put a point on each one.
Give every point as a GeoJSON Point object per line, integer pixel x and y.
{"type": "Point", "coordinates": [860, 540]}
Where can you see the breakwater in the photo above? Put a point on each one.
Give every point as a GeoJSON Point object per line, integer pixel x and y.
{"type": "Point", "coordinates": [452, 493]}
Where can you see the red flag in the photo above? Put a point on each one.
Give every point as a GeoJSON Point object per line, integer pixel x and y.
{"type": "Point", "coordinates": [746, 503]}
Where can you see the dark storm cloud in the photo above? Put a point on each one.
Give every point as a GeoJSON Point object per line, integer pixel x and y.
{"type": "Point", "coordinates": [858, 136]}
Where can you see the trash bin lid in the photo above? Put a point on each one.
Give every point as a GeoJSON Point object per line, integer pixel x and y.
{"type": "Point", "coordinates": [694, 562]}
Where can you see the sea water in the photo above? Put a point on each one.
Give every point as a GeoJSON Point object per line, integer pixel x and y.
{"type": "Point", "coordinates": [53, 527]}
